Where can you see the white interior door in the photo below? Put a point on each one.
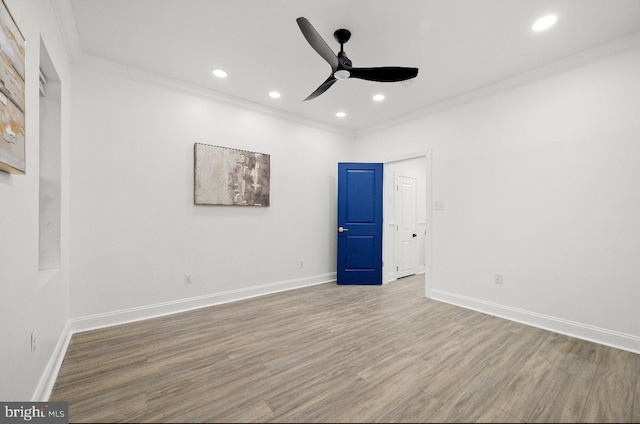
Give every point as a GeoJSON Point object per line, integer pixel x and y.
{"type": "Point", "coordinates": [406, 249]}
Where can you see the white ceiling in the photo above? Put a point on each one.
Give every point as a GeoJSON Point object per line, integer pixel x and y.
{"type": "Point", "coordinates": [459, 46]}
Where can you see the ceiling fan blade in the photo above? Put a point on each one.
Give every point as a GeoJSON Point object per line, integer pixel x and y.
{"type": "Point", "coordinates": [317, 42]}
{"type": "Point", "coordinates": [384, 74]}
{"type": "Point", "coordinates": [323, 87]}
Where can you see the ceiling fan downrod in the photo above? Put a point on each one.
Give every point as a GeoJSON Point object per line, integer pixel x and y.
{"type": "Point", "coordinates": [342, 36]}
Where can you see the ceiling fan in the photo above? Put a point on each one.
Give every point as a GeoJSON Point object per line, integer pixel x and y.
{"type": "Point", "coordinates": [341, 66]}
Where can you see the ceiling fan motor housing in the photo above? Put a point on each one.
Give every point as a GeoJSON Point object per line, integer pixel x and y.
{"type": "Point", "coordinates": [343, 59]}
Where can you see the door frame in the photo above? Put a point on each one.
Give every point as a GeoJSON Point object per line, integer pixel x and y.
{"type": "Point", "coordinates": [389, 230]}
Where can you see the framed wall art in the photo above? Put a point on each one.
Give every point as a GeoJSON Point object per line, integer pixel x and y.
{"type": "Point", "coordinates": [230, 177]}
{"type": "Point", "coordinates": [12, 98]}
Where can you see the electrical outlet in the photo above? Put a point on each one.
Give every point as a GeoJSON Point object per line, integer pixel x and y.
{"type": "Point", "coordinates": [301, 263]}
{"type": "Point", "coordinates": [33, 341]}
{"type": "Point", "coordinates": [187, 278]}
{"type": "Point", "coordinates": [499, 278]}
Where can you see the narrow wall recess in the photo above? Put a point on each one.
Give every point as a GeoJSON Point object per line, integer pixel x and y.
{"type": "Point", "coordinates": [50, 179]}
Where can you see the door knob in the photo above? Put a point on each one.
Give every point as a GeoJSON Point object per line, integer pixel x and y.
{"type": "Point", "coordinates": [341, 229]}
{"type": "Point", "coordinates": [415, 235]}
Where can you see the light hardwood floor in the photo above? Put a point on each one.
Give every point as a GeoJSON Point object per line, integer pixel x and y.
{"type": "Point", "coordinates": [332, 353]}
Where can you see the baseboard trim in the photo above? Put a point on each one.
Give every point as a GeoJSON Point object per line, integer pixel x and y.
{"type": "Point", "coordinates": [558, 325]}
{"type": "Point", "coordinates": [124, 316]}
{"type": "Point", "coordinates": [50, 374]}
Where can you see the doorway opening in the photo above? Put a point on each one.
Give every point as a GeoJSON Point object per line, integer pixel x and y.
{"type": "Point", "coordinates": [407, 218]}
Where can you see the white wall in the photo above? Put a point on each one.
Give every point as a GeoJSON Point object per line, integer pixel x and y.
{"type": "Point", "coordinates": [30, 300]}
{"type": "Point", "coordinates": [136, 230]}
{"type": "Point", "coordinates": [541, 183]}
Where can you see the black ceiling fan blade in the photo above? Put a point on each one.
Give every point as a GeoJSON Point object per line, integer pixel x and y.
{"type": "Point", "coordinates": [317, 42]}
{"type": "Point", "coordinates": [323, 87]}
{"type": "Point", "coordinates": [384, 73]}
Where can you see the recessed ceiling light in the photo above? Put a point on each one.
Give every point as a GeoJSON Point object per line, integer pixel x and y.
{"type": "Point", "coordinates": [544, 23]}
{"type": "Point", "coordinates": [274, 95]}
{"type": "Point", "coordinates": [219, 73]}
{"type": "Point", "coordinates": [378, 97]}
{"type": "Point", "coordinates": [341, 114]}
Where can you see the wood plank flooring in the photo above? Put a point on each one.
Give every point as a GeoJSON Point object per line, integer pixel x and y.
{"type": "Point", "coordinates": [332, 353]}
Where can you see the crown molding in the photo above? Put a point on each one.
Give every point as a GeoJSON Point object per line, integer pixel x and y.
{"type": "Point", "coordinates": [407, 156]}
{"type": "Point", "coordinates": [66, 22]}
{"type": "Point", "coordinates": [104, 66]}
{"type": "Point", "coordinates": [617, 47]}
{"type": "Point", "coordinates": [67, 25]}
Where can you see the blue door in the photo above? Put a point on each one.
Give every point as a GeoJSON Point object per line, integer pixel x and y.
{"type": "Point", "coordinates": [359, 223]}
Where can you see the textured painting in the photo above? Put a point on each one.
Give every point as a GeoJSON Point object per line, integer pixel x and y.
{"type": "Point", "coordinates": [12, 147]}
{"type": "Point", "coordinates": [225, 176]}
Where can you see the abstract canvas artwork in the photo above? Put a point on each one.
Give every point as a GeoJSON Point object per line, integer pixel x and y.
{"type": "Point", "coordinates": [12, 99]}
{"type": "Point", "coordinates": [231, 177]}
